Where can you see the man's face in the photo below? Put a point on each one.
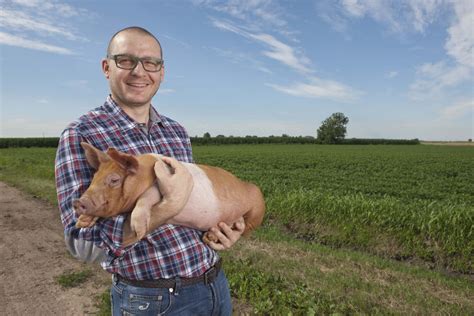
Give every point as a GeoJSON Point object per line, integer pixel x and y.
{"type": "Point", "coordinates": [133, 88]}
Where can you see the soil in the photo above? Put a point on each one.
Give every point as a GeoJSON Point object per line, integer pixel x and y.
{"type": "Point", "coordinates": [33, 255]}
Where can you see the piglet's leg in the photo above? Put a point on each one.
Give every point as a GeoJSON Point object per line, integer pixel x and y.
{"type": "Point", "coordinates": [85, 221]}
{"type": "Point", "coordinates": [141, 214]}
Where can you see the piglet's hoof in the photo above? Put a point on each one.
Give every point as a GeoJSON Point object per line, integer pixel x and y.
{"type": "Point", "coordinates": [86, 221]}
{"type": "Point", "coordinates": [209, 237]}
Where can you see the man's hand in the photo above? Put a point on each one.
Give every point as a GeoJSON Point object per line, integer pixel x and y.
{"type": "Point", "coordinates": [227, 236]}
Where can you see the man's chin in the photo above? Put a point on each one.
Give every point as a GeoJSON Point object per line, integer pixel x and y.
{"type": "Point", "coordinates": [137, 102]}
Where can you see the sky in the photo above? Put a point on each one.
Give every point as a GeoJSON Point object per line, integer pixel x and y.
{"type": "Point", "coordinates": [397, 69]}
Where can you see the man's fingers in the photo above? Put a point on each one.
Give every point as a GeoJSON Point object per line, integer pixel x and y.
{"type": "Point", "coordinates": [224, 239]}
{"type": "Point", "coordinates": [216, 246]}
{"type": "Point", "coordinates": [239, 226]}
{"type": "Point", "coordinates": [226, 229]}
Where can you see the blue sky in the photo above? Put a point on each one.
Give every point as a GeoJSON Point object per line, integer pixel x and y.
{"type": "Point", "coordinates": [397, 69]}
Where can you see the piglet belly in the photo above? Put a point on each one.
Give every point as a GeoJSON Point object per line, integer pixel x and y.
{"type": "Point", "coordinates": [202, 210]}
{"type": "Point", "coordinates": [200, 217]}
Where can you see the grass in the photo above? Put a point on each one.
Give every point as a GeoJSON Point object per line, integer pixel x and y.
{"type": "Point", "coordinates": [337, 216]}
{"type": "Point", "coordinates": [301, 277]}
{"type": "Point", "coordinates": [103, 304]}
{"type": "Point", "coordinates": [74, 278]}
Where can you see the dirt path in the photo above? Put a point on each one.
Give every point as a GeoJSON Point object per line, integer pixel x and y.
{"type": "Point", "coordinates": [33, 255]}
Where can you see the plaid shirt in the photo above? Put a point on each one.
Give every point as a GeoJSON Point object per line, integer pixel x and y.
{"type": "Point", "coordinates": [170, 250]}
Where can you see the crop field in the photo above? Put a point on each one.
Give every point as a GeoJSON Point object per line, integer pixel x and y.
{"type": "Point", "coordinates": [348, 229]}
{"type": "Point", "coordinates": [417, 198]}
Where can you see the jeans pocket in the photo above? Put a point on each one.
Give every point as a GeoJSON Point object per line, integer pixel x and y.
{"type": "Point", "coordinates": [142, 304]}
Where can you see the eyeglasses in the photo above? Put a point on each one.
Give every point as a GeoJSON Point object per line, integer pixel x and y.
{"type": "Point", "coordinates": [129, 62]}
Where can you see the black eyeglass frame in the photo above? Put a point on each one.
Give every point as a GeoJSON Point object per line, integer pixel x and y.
{"type": "Point", "coordinates": [136, 59]}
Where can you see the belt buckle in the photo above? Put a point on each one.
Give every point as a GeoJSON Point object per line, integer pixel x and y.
{"type": "Point", "coordinates": [210, 275]}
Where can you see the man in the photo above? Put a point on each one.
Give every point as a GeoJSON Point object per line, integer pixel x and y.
{"type": "Point", "coordinates": [171, 270]}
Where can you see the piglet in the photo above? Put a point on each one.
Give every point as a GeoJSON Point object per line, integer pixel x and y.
{"type": "Point", "coordinates": [124, 183]}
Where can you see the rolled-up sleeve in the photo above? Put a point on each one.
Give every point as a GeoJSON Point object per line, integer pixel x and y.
{"type": "Point", "coordinates": [73, 176]}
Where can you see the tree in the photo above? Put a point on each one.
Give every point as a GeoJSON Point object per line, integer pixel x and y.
{"type": "Point", "coordinates": [206, 135]}
{"type": "Point", "coordinates": [333, 129]}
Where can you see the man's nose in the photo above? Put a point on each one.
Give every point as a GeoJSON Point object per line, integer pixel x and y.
{"type": "Point", "coordinates": [139, 69]}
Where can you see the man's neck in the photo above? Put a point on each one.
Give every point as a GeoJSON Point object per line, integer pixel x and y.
{"type": "Point", "coordinates": [140, 114]}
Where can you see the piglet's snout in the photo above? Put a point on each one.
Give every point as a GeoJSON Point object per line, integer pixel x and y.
{"type": "Point", "coordinates": [83, 205]}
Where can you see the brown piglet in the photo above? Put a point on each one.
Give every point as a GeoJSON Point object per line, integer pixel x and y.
{"type": "Point", "coordinates": [126, 183]}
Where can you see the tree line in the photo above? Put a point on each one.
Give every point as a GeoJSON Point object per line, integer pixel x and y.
{"type": "Point", "coordinates": [331, 131]}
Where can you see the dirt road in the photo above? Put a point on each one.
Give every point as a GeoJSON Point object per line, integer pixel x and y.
{"type": "Point", "coordinates": [33, 255]}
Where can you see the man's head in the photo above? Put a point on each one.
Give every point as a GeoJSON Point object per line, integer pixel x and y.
{"type": "Point", "coordinates": [133, 87]}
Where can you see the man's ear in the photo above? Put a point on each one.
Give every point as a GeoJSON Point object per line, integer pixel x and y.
{"type": "Point", "coordinates": [105, 67]}
{"type": "Point", "coordinates": [126, 161]}
{"type": "Point", "coordinates": [94, 156]}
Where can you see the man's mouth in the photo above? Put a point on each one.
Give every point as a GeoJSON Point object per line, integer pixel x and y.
{"type": "Point", "coordinates": [137, 85]}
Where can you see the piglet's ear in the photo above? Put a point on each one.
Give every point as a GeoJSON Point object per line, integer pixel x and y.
{"type": "Point", "coordinates": [94, 156]}
{"type": "Point", "coordinates": [126, 161]}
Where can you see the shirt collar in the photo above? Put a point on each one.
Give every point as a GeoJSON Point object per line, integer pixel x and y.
{"type": "Point", "coordinates": [126, 122]}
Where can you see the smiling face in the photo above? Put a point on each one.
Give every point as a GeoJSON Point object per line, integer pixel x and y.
{"type": "Point", "coordinates": [136, 87]}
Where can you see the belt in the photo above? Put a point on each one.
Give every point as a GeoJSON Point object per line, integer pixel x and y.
{"type": "Point", "coordinates": [207, 278]}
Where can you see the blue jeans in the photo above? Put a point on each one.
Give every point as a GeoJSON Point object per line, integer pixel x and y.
{"type": "Point", "coordinates": [196, 299]}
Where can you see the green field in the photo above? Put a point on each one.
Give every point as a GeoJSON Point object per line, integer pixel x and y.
{"type": "Point", "coordinates": [395, 201]}
{"type": "Point", "coordinates": [348, 229]}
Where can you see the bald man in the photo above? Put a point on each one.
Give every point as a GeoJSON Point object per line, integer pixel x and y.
{"type": "Point", "coordinates": [170, 270]}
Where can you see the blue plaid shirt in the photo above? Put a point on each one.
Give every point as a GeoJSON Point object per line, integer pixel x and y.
{"type": "Point", "coordinates": [170, 250]}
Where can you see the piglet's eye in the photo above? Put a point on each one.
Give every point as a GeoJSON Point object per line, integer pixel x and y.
{"type": "Point", "coordinates": [114, 180]}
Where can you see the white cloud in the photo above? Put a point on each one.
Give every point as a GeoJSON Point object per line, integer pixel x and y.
{"type": "Point", "coordinates": [185, 45]}
{"type": "Point", "coordinates": [457, 110]}
{"type": "Point", "coordinates": [424, 12]}
{"type": "Point", "coordinates": [256, 14]}
{"type": "Point", "coordinates": [241, 58]}
{"type": "Point", "coordinates": [354, 7]}
{"type": "Point", "coordinates": [283, 53]}
{"type": "Point", "coordinates": [320, 88]}
{"type": "Point", "coordinates": [12, 40]}
{"type": "Point", "coordinates": [228, 26]}
{"type": "Point", "coordinates": [415, 16]}
{"type": "Point", "coordinates": [45, 7]}
{"type": "Point", "coordinates": [433, 78]}
{"type": "Point", "coordinates": [278, 50]}
{"type": "Point", "coordinates": [340, 14]}
{"type": "Point", "coordinates": [268, 13]}
{"type": "Point", "coordinates": [20, 21]}
{"type": "Point", "coordinates": [392, 74]}
{"type": "Point", "coordinates": [32, 24]}
{"type": "Point", "coordinates": [460, 42]}
{"type": "Point", "coordinates": [398, 16]}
